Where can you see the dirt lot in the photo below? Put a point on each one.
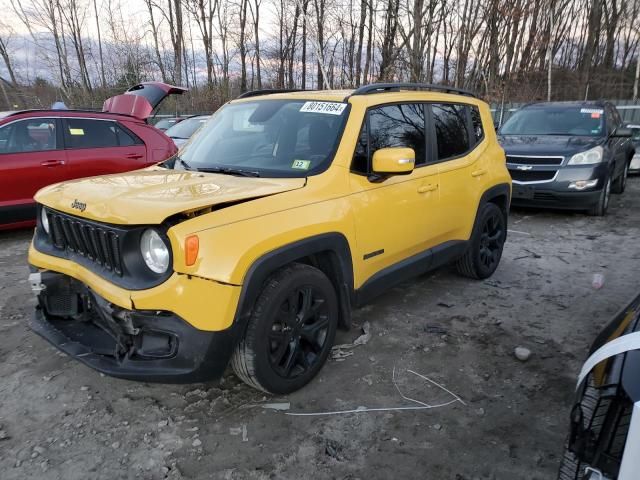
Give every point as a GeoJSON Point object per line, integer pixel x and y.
{"type": "Point", "coordinates": [61, 420]}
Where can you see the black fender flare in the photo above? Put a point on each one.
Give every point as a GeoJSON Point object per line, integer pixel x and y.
{"type": "Point", "coordinates": [340, 262]}
{"type": "Point", "coordinates": [497, 191]}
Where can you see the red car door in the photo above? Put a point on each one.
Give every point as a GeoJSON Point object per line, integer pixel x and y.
{"type": "Point", "coordinates": [100, 146]}
{"type": "Point", "coordinates": [31, 157]}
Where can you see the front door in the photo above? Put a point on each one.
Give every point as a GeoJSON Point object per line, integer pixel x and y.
{"type": "Point", "coordinates": [392, 215]}
{"type": "Point", "coordinates": [31, 157]}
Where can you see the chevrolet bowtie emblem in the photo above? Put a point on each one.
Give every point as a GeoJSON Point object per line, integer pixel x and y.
{"type": "Point", "coordinates": [524, 167]}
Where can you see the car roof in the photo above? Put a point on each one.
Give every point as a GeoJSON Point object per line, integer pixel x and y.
{"type": "Point", "coordinates": [67, 113]}
{"type": "Point", "coordinates": [569, 104]}
{"type": "Point", "coordinates": [320, 95]}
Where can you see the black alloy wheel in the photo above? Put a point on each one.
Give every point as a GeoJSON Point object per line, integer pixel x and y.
{"type": "Point", "coordinates": [299, 332]}
{"type": "Point", "coordinates": [290, 331]}
{"type": "Point", "coordinates": [486, 243]}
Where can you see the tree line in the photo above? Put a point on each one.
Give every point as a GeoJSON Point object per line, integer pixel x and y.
{"type": "Point", "coordinates": [85, 50]}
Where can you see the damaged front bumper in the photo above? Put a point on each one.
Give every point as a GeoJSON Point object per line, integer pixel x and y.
{"type": "Point", "coordinates": [143, 345]}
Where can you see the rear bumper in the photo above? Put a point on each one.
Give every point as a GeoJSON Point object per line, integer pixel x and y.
{"type": "Point", "coordinates": [150, 346]}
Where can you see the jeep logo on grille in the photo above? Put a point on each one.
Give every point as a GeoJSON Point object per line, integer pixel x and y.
{"type": "Point", "coordinates": [524, 167]}
{"type": "Point", "coordinates": [79, 205]}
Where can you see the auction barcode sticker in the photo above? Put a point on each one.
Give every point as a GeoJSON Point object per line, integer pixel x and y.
{"type": "Point", "coordinates": [592, 110]}
{"type": "Point", "coordinates": [330, 108]}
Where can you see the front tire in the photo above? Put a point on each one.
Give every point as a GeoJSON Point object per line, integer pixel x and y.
{"type": "Point", "coordinates": [621, 182]}
{"type": "Point", "coordinates": [487, 241]}
{"type": "Point", "coordinates": [290, 332]}
{"type": "Point", "coordinates": [600, 208]}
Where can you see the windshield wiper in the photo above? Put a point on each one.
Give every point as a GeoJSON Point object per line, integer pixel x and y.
{"type": "Point", "coordinates": [184, 164]}
{"type": "Point", "coordinates": [230, 171]}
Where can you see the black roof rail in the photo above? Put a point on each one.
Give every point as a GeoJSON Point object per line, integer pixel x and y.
{"type": "Point", "coordinates": [385, 87]}
{"type": "Point", "coordinates": [269, 91]}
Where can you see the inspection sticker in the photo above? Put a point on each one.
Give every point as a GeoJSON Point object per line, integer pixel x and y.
{"type": "Point", "coordinates": [301, 164]}
{"type": "Point", "coordinates": [330, 108]}
{"type": "Point", "coordinates": [76, 131]}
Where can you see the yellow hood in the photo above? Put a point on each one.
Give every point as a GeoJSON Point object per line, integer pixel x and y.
{"type": "Point", "coordinates": [149, 196]}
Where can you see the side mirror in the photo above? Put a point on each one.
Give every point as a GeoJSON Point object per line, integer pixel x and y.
{"type": "Point", "coordinates": [393, 161]}
{"type": "Point", "coordinates": [622, 132]}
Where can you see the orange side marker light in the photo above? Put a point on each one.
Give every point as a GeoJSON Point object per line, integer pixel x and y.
{"type": "Point", "coordinates": [191, 247]}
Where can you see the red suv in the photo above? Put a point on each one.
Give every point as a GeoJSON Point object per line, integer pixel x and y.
{"type": "Point", "coordinates": [41, 147]}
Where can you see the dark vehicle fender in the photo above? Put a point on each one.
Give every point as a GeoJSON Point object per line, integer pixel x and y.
{"type": "Point", "coordinates": [500, 195]}
{"type": "Point", "coordinates": [329, 252]}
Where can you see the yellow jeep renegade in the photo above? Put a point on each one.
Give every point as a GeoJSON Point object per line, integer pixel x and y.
{"type": "Point", "coordinates": [252, 245]}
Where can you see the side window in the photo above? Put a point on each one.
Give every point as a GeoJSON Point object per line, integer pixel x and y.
{"type": "Point", "coordinates": [451, 130]}
{"type": "Point", "coordinates": [476, 123]}
{"type": "Point", "coordinates": [398, 126]}
{"type": "Point", "coordinates": [126, 138]}
{"type": "Point", "coordinates": [391, 126]}
{"type": "Point", "coordinates": [32, 135]}
{"type": "Point", "coordinates": [87, 133]}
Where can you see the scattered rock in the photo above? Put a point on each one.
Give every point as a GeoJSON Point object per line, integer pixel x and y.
{"type": "Point", "coordinates": [115, 445]}
{"type": "Point", "coordinates": [84, 388]}
{"type": "Point", "coordinates": [196, 443]}
{"type": "Point", "coordinates": [522, 353]}
{"type": "Point", "coordinates": [437, 426]}
{"type": "Point", "coordinates": [4, 435]}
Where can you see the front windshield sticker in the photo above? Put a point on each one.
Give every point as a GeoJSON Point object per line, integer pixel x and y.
{"type": "Point", "coordinates": [599, 111]}
{"type": "Point", "coordinates": [330, 108]}
{"type": "Point", "coordinates": [301, 164]}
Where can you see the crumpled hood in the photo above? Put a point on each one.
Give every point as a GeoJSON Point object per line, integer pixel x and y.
{"type": "Point", "coordinates": [150, 196]}
{"type": "Point", "coordinates": [560, 145]}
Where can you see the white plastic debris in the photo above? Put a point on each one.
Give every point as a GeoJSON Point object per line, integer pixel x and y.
{"type": "Point", "coordinates": [598, 281]}
{"type": "Point", "coordinates": [522, 353]}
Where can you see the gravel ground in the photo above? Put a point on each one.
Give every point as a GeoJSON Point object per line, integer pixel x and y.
{"type": "Point", "coordinates": [61, 420]}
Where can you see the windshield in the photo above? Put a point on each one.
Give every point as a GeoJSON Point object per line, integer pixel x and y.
{"type": "Point", "coordinates": [165, 123]}
{"type": "Point", "coordinates": [186, 128]}
{"type": "Point", "coordinates": [270, 137]}
{"type": "Point", "coordinates": [557, 120]}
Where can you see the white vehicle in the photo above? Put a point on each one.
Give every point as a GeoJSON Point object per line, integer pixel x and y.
{"type": "Point", "coordinates": [604, 440]}
{"type": "Point", "coordinates": [634, 166]}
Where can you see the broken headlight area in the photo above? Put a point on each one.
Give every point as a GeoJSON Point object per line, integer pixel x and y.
{"type": "Point", "coordinates": [105, 329]}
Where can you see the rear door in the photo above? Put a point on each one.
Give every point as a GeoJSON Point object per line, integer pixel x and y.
{"type": "Point", "coordinates": [98, 146]}
{"type": "Point", "coordinates": [458, 132]}
{"type": "Point", "coordinates": [31, 157]}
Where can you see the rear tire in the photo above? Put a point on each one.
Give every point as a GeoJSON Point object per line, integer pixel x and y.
{"type": "Point", "coordinates": [593, 414]}
{"type": "Point", "coordinates": [485, 246]}
{"type": "Point", "coordinates": [600, 208]}
{"type": "Point", "coordinates": [621, 182]}
{"type": "Point", "coordinates": [290, 331]}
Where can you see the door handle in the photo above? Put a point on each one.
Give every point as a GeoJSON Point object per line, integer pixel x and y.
{"type": "Point", "coordinates": [428, 188]}
{"type": "Point", "coordinates": [134, 155]}
{"type": "Point", "coordinates": [52, 163]}
{"type": "Point", "coordinates": [478, 173]}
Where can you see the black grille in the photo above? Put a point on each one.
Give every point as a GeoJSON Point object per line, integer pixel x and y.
{"type": "Point", "coordinates": [100, 244]}
{"type": "Point", "coordinates": [534, 160]}
{"type": "Point", "coordinates": [546, 196]}
{"type": "Point", "coordinates": [532, 175]}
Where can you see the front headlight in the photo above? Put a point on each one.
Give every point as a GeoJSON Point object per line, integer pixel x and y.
{"type": "Point", "coordinates": [154, 251]}
{"type": "Point", "coordinates": [587, 158]}
{"type": "Point", "coordinates": [44, 220]}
